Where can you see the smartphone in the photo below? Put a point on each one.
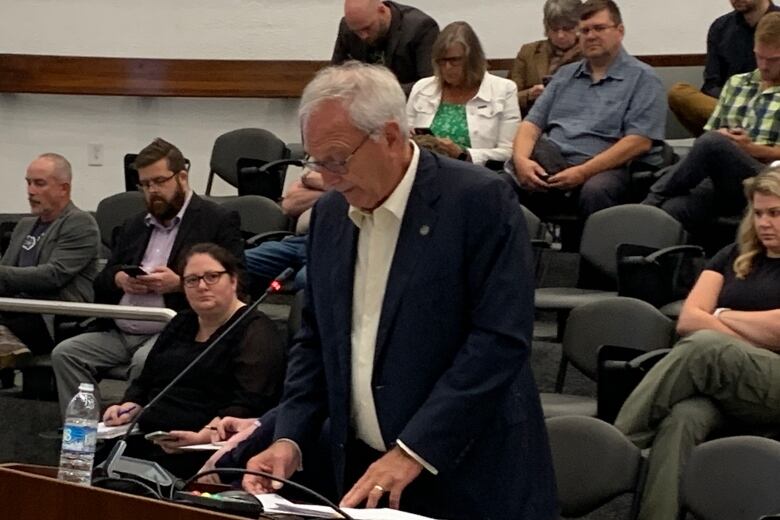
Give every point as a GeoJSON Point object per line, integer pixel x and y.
{"type": "Point", "coordinates": [133, 270]}
{"type": "Point", "coordinates": [546, 80]}
{"type": "Point", "coordinates": [422, 131]}
{"type": "Point", "coordinates": [160, 436]}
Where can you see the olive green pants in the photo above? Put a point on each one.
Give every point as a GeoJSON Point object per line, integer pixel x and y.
{"type": "Point", "coordinates": [706, 379]}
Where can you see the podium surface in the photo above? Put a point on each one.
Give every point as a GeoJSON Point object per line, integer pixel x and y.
{"type": "Point", "coordinates": [33, 492]}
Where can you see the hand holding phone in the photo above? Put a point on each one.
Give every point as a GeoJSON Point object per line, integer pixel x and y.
{"type": "Point", "coordinates": [133, 270]}
{"type": "Point", "coordinates": [160, 436]}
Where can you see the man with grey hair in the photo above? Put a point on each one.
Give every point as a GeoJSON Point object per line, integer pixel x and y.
{"type": "Point", "coordinates": [416, 329]}
{"type": "Point", "coordinates": [397, 36]}
{"type": "Point", "coordinates": [52, 255]}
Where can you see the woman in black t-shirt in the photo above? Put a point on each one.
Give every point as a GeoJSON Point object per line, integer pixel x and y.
{"type": "Point", "coordinates": [727, 366]}
{"type": "Point", "coordinates": [241, 376]}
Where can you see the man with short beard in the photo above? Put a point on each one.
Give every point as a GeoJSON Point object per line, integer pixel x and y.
{"type": "Point", "coordinates": [176, 219]}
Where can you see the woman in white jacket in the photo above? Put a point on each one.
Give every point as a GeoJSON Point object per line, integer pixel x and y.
{"type": "Point", "coordinates": [472, 113]}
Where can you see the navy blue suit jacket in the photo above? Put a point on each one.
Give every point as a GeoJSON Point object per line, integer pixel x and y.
{"type": "Point", "coordinates": [452, 376]}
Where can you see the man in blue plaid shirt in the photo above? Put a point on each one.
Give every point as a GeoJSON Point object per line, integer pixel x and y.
{"type": "Point", "coordinates": [742, 137]}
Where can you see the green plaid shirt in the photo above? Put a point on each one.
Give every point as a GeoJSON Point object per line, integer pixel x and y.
{"type": "Point", "coordinates": [742, 104]}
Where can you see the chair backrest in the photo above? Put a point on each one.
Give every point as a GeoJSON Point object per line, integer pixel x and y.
{"type": "Point", "coordinates": [594, 463]}
{"type": "Point", "coordinates": [624, 322]}
{"type": "Point", "coordinates": [258, 214]}
{"type": "Point", "coordinates": [734, 478]}
{"type": "Point", "coordinates": [248, 143]}
{"type": "Point", "coordinates": [112, 212]}
{"type": "Point", "coordinates": [631, 224]}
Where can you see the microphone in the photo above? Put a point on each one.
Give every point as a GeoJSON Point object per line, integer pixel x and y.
{"type": "Point", "coordinates": [116, 466]}
{"type": "Point", "coordinates": [242, 471]}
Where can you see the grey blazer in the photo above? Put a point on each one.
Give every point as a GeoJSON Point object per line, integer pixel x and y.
{"type": "Point", "coordinates": [67, 260]}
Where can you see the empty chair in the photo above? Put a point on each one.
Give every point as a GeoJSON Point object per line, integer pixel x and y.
{"type": "Point", "coordinates": [619, 321]}
{"type": "Point", "coordinates": [114, 210]}
{"type": "Point", "coordinates": [604, 231]}
{"type": "Point", "coordinates": [594, 463]}
{"type": "Point", "coordinates": [244, 143]}
{"type": "Point", "coordinates": [258, 214]}
{"type": "Point", "coordinates": [734, 478]}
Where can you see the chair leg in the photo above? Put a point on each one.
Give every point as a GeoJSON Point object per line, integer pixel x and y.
{"type": "Point", "coordinates": [561, 374]}
{"type": "Point", "coordinates": [7, 378]}
{"type": "Point", "coordinates": [561, 317]}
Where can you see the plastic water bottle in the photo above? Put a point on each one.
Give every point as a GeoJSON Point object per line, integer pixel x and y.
{"type": "Point", "coordinates": [78, 437]}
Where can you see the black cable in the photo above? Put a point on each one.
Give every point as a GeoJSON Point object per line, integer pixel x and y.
{"type": "Point", "coordinates": [99, 481]}
{"type": "Point", "coordinates": [290, 483]}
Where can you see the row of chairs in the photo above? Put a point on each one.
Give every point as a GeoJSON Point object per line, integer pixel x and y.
{"type": "Point", "coordinates": [733, 478]}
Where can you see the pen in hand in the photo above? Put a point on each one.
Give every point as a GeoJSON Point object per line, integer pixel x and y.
{"type": "Point", "coordinates": [125, 412]}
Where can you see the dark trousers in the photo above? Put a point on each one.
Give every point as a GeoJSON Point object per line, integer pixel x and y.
{"type": "Point", "coordinates": [604, 190]}
{"type": "Point", "coordinates": [706, 183]}
{"type": "Point", "coordinates": [30, 329]}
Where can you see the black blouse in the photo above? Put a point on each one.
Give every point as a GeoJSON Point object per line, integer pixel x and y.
{"type": "Point", "coordinates": [242, 376]}
{"type": "Point", "coordinates": [759, 291]}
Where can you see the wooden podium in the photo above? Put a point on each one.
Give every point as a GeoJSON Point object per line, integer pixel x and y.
{"type": "Point", "coordinates": [33, 492]}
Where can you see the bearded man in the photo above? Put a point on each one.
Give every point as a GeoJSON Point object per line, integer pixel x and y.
{"type": "Point", "coordinates": [176, 218]}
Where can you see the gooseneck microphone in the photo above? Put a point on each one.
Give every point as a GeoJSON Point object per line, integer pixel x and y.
{"type": "Point", "coordinates": [117, 467]}
{"type": "Point", "coordinates": [243, 471]}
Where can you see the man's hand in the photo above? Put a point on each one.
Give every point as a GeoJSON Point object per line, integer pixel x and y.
{"type": "Point", "coordinates": [281, 459]}
{"type": "Point", "coordinates": [535, 91]}
{"type": "Point", "coordinates": [161, 280]}
{"type": "Point", "coordinates": [531, 175]}
{"type": "Point", "coordinates": [390, 474]}
{"type": "Point", "coordinates": [567, 179]}
{"type": "Point", "coordinates": [738, 135]}
{"type": "Point", "coordinates": [312, 180]}
{"type": "Point", "coordinates": [129, 284]}
{"type": "Point", "coordinates": [226, 427]}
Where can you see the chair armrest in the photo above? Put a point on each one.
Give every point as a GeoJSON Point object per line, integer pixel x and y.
{"type": "Point", "coordinates": [695, 251]}
{"type": "Point", "coordinates": [268, 236]}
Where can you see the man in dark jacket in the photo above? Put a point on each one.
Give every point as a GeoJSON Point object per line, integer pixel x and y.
{"type": "Point", "coordinates": [397, 36]}
{"type": "Point", "coordinates": [176, 219]}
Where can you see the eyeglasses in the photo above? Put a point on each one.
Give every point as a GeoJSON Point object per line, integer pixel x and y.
{"type": "Point", "coordinates": [193, 280]}
{"type": "Point", "coordinates": [335, 167]}
{"type": "Point", "coordinates": [453, 61]}
{"type": "Point", "coordinates": [156, 182]}
{"type": "Point", "coordinates": [596, 29]}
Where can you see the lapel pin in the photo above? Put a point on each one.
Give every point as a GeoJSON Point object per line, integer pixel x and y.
{"type": "Point", "coordinates": [425, 229]}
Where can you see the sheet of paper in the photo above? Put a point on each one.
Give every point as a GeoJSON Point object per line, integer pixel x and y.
{"type": "Point", "coordinates": [112, 432]}
{"type": "Point", "coordinates": [211, 446]}
{"type": "Point", "coordinates": [273, 503]}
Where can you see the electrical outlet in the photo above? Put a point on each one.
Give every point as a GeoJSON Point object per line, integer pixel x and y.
{"type": "Point", "coordinates": [95, 154]}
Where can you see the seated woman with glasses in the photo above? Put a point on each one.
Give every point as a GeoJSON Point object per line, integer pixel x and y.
{"type": "Point", "coordinates": [241, 377]}
{"type": "Point", "coordinates": [471, 114]}
{"type": "Point", "coordinates": [537, 61]}
{"type": "Point", "coordinates": [725, 370]}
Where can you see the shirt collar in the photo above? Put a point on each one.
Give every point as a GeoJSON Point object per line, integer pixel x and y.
{"type": "Point", "coordinates": [396, 202]}
{"type": "Point", "coordinates": [150, 221]}
{"type": "Point", "coordinates": [616, 69]}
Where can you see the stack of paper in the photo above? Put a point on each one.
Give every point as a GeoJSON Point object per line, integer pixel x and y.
{"type": "Point", "coordinates": [273, 503]}
{"type": "Point", "coordinates": [112, 432]}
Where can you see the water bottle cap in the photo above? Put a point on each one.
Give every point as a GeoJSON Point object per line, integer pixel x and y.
{"type": "Point", "coordinates": [87, 387]}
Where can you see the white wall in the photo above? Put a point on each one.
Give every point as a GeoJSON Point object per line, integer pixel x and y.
{"type": "Point", "coordinates": [223, 29]}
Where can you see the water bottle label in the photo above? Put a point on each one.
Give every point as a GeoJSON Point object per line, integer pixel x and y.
{"type": "Point", "coordinates": [78, 438]}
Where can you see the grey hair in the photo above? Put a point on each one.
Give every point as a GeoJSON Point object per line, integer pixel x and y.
{"type": "Point", "coordinates": [562, 13]}
{"type": "Point", "coordinates": [371, 95]}
{"type": "Point", "coordinates": [62, 169]}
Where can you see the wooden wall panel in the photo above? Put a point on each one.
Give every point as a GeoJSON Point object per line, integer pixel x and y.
{"type": "Point", "coordinates": [82, 75]}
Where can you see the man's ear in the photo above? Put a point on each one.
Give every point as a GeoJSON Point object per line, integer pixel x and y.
{"type": "Point", "coordinates": [392, 133]}
{"type": "Point", "coordinates": [184, 176]}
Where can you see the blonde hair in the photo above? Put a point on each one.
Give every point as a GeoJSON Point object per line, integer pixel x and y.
{"type": "Point", "coordinates": [766, 183]}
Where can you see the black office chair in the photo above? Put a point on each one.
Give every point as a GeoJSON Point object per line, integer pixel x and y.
{"type": "Point", "coordinates": [247, 143]}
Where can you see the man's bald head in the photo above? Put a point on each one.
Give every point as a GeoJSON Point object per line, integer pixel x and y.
{"type": "Point", "coordinates": [368, 19]}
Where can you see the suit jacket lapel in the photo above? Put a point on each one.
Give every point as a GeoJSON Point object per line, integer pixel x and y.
{"type": "Point", "coordinates": [341, 283]}
{"type": "Point", "coordinates": [185, 228]}
{"type": "Point", "coordinates": [418, 226]}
